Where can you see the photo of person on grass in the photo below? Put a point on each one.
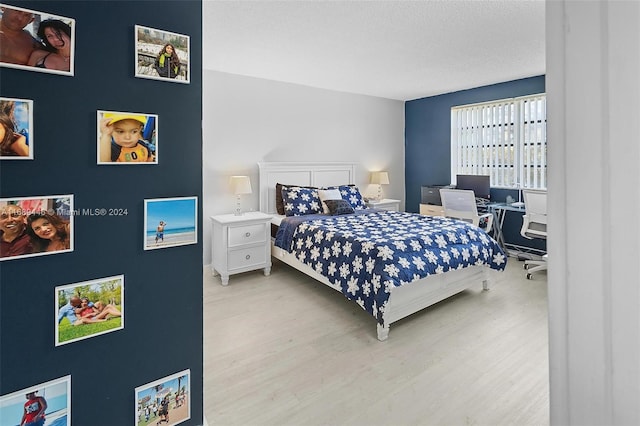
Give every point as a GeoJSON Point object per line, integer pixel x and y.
{"type": "Point", "coordinates": [89, 309]}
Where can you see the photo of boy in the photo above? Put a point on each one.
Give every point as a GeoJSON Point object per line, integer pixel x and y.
{"type": "Point", "coordinates": [127, 138]}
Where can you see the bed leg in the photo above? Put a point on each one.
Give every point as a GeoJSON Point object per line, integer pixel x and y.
{"type": "Point", "coordinates": [485, 285]}
{"type": "Point", "coordinates": [383, 332]}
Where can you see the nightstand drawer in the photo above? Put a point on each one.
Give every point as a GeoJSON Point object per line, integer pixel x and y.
{"type": "Point", "coordinates": [248, 234]}
{"type": "Point", "coordinates": [246, 257]}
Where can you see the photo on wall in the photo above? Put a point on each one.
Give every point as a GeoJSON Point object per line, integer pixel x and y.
{"type": "Point", "coordinates": [127, 138]}
{"type": "Point", "coordinates": [170, 222]}
{"type": "Point", "coordinates": [166, 401]}
{"type": "Point", "coordinates": [46, 403]}
{"type": "Point", "coordinates": [162, 55]}
{"type": "Point", "coordinates": [16, 129]}
{"type": "Point", "coordinates": [38, 41]}
{"type": "Point", "coordinates": [35, 226]}
{"type": "Point", "coordinates": [89, 309]}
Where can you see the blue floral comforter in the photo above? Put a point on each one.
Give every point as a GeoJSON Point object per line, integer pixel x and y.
{"type": "Point", "coordinates": [369, 253]}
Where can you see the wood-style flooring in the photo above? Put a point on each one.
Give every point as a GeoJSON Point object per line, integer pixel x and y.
{"type": "Point", "coordinates": [287, 350]}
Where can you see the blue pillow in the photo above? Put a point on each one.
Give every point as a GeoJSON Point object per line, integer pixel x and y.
{"type": "Point", "coordinates": [337, 207]}
{"type": "Point", "coordinates": [299, 201]}
{"type": "Point", "coordinates": [351, 193]}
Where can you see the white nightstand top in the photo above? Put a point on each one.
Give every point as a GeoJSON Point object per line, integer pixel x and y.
{"type": "Point", "coordinates": [245, 217]}
{"type": "Point", "coordinates": [383, 201]}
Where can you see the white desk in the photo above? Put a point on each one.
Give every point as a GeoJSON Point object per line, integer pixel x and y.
{"type": "Point", "coordinates": [431, 210]}
{"type": "Point", "coordinates": [499, 211]}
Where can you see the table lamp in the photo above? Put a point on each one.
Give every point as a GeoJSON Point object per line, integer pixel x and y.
{"type": "Point", "coordinates": [380, 178]}
{"type": "Point", "coordinates": [240, 185]}
{"type": "Point", "coordinates": [518, 203]}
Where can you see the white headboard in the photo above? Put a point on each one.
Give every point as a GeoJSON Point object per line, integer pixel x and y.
{"type": "Point", "coordinates": [303, 174]}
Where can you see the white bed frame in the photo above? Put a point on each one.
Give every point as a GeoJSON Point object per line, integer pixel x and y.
{"type": "Point", "coordinates": [404, 300]}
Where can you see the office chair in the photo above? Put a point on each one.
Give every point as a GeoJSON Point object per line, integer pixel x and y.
{"type": "Point", "coordinates": [461, 204]}
{"type": "Point", "coordinates": [534, 225]}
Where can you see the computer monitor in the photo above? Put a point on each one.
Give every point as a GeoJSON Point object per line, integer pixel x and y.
{"type": "Point", "coordinates": [479, 184]}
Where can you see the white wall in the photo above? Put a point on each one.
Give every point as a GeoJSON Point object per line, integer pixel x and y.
{"type": "Point", "coordinates": [247, 120]}
{"type": "Point", "coordinates": [593, 99]}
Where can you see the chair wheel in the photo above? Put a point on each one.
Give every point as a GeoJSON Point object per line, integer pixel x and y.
{"type": "Point", "coordinates": [525, 266]}
{"type": "Point", "coordinates": [529, 276]}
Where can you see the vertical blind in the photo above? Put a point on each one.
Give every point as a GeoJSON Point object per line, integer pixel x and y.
{"type": "Point", "coordinates": [505, 139]}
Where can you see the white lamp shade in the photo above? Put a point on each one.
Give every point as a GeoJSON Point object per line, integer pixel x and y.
{"type": "Point", "coordinates": [241, 185]}
{"type": "Point", "coordinates": [381, 178]}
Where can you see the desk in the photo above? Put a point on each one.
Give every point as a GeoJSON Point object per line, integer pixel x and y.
{"type": "Point", "coordinates": [499, 211]}
{"type": "Point", "coordinates": [431, 210]}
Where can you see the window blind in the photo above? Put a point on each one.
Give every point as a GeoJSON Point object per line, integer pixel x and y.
{"type": "Point", "coordinates": [505, 139]}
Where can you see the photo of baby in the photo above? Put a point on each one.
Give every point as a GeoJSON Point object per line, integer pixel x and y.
{"type": "Point", "coordinates": [127, 138]}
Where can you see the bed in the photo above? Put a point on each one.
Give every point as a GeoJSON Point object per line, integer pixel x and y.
{"type": "Point", "coordinates": [392, 264]}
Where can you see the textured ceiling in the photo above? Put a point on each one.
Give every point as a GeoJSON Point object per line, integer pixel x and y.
{"type": "Point", "coordinates": [391, 49]}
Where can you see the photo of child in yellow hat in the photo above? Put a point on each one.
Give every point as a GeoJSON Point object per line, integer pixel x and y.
{"type": "Point", "coordinates": [127, 138]}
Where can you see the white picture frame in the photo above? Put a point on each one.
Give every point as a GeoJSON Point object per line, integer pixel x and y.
{"type": "Point", "coordinates": [106, 312]}
{"type": "Point", "coordinates": [36, 213]}
{"type": "Point", "coordinates": [113, 137]}
{"type": "Point", "coordinates": [61, 27]}
{"type": "Point", "coordinates": [56, 394]}
{"type": "Point", "coordinates": [176, 388]}
{"type": "Point", "coordinates": [17, 118]}
{"type": "Point", "coordinates": [170, 222]}
{"type": "Point", "coordinates": [150, 43]}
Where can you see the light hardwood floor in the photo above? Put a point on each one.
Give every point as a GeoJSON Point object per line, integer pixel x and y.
{"type": "Point", "coordinates": [286, 350]}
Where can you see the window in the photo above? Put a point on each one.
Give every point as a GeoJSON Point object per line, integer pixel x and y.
{"type": "Point", "coordinates": [505, 139]}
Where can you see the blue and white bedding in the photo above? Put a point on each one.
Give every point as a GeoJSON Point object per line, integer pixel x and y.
{"type": "Point", "coordinates": [369, 253]}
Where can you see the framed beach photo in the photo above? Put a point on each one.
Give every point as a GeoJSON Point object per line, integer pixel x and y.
{"type": "Point", "coordinates": [89, 309]}
{"type": "Point", "coordinates": [50, 400]}
{"type": "Point", "coordinates": [162, 55]}
{"type": "Point", "coordinates": [127, 138]}
{"type": "Point", "coordinates": [36, 226]}
{"type": "Point", "coordinates": [16, 129]}
{"type": "Point", "coordinates": [40, 42]}
{"type": "Point", "coordinates": [170, 222]}
{"type": "Point", "coordinates": [166, 401]}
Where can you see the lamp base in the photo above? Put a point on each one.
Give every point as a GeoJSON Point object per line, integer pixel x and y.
{"type": "Point", "coordinates": [238, 209]}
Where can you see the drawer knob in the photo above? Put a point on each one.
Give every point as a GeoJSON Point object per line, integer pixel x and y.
{"type": "Point", "coordinates": [248, 234]}
{"type": "Point", "coordinates": [248, 257]}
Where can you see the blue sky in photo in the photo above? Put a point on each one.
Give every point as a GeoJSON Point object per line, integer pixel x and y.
{"type": "Point", "coordinates": [176, 213]}
{"type": "Point", "coordinates": [171, 383]}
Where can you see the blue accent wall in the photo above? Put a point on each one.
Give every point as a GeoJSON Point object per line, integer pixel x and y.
{"type": "Point", "coordinates": [163, 288]}
{"type": "Point", "coordinates": [428, 143]}
{"type": "Point", "coordinates": [428, 132]}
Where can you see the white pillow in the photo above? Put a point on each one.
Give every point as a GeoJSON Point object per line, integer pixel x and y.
{"type": "Point", "coordinates": [328, 194]}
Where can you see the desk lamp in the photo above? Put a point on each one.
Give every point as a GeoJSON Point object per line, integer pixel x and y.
{"type": "Point", "coordinates": [240, 185]}
{"type": "Point", "coordinates": [518, 203]}
{"type": "Point", "coordinates": [380, 178]}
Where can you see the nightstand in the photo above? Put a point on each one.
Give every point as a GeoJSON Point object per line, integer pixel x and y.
{"type": "Point", "coordinates": [240, 244]}
{"type": "Point", "coordinates": [384, 204]}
